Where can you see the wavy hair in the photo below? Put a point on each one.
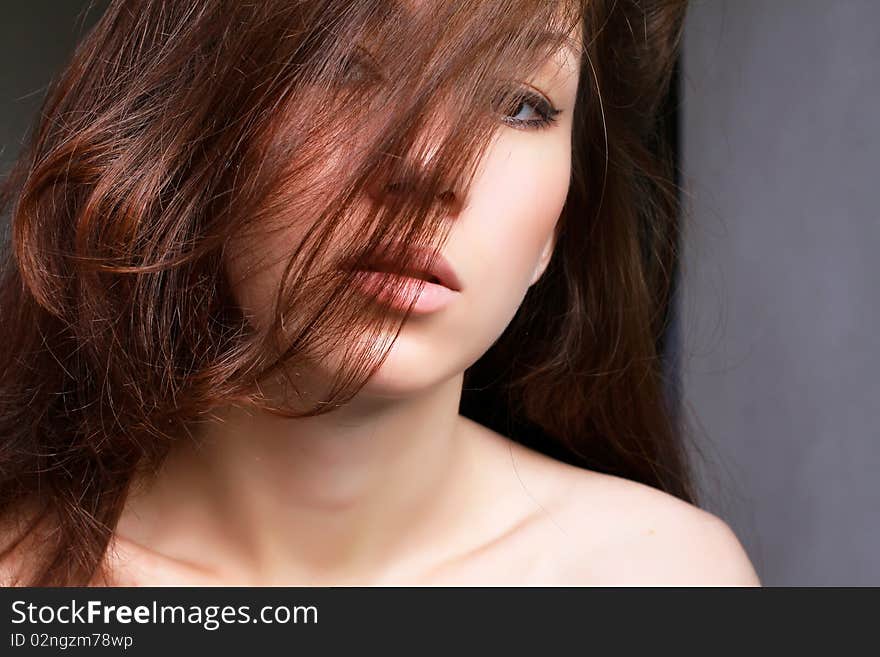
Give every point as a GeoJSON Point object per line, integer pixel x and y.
{"type": "Point", "coordinates": [187, 126]}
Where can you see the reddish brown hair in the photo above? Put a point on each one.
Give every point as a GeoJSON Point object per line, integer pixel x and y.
{"type": "Point", "coordinates": [181, 127]}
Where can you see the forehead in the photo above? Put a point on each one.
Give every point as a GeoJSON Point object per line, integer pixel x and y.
{"type": "Point", "coordinates": [569, 43]}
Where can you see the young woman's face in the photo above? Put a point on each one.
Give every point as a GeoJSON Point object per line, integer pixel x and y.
{"type": "Point", "coordinates": [499, 243]}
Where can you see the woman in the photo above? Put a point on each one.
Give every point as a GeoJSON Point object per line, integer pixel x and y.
{"type": "Point", "coordinates": [268, 261]}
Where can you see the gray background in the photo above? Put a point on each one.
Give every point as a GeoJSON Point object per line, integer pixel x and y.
{"type": "Point", "coordinates": [779, 312]}
{"type": "Point", "coordinates": [36, 36]}
{"type": "Point", "coordinates": [779, 357]}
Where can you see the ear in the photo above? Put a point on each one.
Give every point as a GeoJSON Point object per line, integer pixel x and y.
{"type": "Point", "coordinates": [544, 260]}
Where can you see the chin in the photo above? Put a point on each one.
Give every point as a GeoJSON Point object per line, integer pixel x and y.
{"type": "Point", "coordinates": [413, 366]}
{"type": "Point", "coordinates": [430, 351]}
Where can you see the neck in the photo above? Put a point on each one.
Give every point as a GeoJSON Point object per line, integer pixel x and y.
{"type": "Point", "coordinates": [337, 495]}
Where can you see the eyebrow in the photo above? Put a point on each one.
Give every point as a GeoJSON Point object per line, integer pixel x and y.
{"type": "Point", "coordinates": [573, 45]}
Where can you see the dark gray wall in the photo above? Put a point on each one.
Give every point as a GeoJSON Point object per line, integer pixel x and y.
{"type": "Point", "coordinates": [780, 311]}
{"type": "Point", "coordinates": [35, 39]}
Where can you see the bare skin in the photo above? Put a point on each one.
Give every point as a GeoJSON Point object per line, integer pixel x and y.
{"type": "Point", "coordinates": [483, 510]}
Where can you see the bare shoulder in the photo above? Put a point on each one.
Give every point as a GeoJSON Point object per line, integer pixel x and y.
{"type": "Point", "coordinates": [601, 529]}
{"type": "Point", "coordinates": [622, 532]}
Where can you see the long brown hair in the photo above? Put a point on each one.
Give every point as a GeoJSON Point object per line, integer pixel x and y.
{"type": "Point", "coordinates": [187, 126]}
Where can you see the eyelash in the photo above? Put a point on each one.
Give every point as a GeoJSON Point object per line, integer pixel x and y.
{"type": "Point", "coordinates": [546, 111]}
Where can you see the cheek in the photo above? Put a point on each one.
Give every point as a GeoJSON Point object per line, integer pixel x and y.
{"type": "Point", "coordinates": [255, 259]}
{"type": "Point", "coordinates": [516, 205]}
{"type": "Point", "coordinates": [254, 266]}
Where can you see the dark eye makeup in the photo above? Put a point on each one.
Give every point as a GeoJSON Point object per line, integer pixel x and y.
{"type": "Point", "coordinates": [529, 109]}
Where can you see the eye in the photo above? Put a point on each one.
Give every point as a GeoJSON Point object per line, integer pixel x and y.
{"type": "Point", "coordinates": [359, 67]}
{"type": "Point", "coordinates": [527, 109]}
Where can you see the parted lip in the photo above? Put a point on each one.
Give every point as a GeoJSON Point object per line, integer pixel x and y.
{"type": "Point", "coordinates": [424, 264]}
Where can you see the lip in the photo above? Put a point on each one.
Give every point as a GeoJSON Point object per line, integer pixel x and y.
{"type": "Point", "coordinates": [380, 275]}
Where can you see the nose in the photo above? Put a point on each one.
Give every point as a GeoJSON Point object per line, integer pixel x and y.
{"type": "Point", "coordinates": [407, 175]}
{"type": "Point", "coordinates": [383, 191]}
